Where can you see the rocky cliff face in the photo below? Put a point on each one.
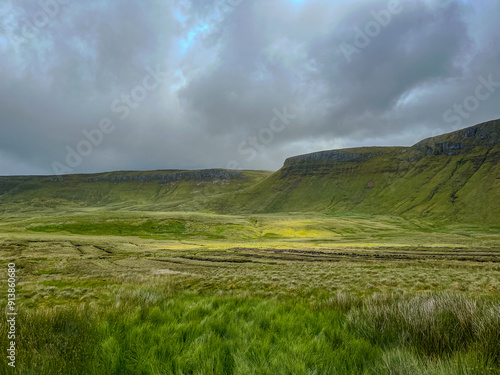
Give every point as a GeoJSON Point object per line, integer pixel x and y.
{"type": "Point", "coordinates": [453, 176]}
{"type": "Point", "coordinates": [463, 141]}
{"type": "Point", "coordinates": [460, 142]}
{"type": "Point", "coordinates": [334, 155]}
{"type": "Point", "coordinates": [205, 174]}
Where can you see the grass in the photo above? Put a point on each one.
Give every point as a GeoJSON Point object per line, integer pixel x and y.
{"type": "Point", "coordinates": [157, 331]}
{"type": "Point", "coordinates": [442, 189]}
{"type": "Point", "coordinates": [116, 228]}
{"type": "Point", "coordinates": [137, 292]}
{"type": "Point", "coordinates": [434, 325]}
{"type": "Point", "coordinates": [28, 195]}
{"type": "Point", "coordinates": [148, 333]}
{"type": "Point", "coordinates": [322, 267]}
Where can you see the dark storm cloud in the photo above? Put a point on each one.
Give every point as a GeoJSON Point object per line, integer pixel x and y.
{"type": "Point", "coordinates": [417, 47]}
{"type": "Point", "coordinates": [244, 83]}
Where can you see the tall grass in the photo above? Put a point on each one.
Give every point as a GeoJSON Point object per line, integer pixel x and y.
{"type": "Point", "coordinates": [434, 325]}
{"type": "Point", "coordinates": [146, 333]}
{"type": "Point", "coordinates": [149, 331]}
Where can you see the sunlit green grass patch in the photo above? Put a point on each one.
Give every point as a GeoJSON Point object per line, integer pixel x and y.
{"type": "Point", "coordinates": [116, 228]}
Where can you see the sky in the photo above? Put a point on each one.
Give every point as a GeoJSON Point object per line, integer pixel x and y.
{"type": "Point", "coordinates": [100, 85]}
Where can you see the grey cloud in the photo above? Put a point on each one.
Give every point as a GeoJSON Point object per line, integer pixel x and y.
{"type": "Point", "coordinates": [228, 69]}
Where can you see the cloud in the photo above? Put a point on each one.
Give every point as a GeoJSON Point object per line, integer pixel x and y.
{"type": "Point", "coordinates": [227, 67]}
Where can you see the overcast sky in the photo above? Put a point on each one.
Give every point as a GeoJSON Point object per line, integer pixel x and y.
{"type": "Point", "coordinates": [90, 86]}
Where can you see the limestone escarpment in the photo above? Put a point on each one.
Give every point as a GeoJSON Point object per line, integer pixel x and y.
{"type": "Point", "coordinates": [462, 141]}
{"type": "Point", "coordinates": [333, 155]}
{"type": "Point", "coordinates": [204, 174]}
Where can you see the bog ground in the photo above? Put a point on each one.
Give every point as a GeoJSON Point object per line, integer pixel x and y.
{"type": "Point", "coordinates": [142, 292]}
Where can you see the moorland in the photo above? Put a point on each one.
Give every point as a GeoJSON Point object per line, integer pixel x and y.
{"type": "Point", "coordinates": [357, 261]}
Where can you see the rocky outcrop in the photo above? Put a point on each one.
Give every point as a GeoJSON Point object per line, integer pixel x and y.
{"type": "Point", "coordinates": [462, 141]}
{"type": "Point", "coordinates": [447, 148]}
{"type": "Point", "coordinates": [205, 174]}
{"type": "Point", "coordinates": [332, 156]}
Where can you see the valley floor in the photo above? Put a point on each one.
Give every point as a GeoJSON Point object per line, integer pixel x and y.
{"type": "Point", "coordinates": [197, 293]}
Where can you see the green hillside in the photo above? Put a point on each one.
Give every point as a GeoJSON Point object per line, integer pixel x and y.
{"type": "Point", "coordinates": [373, 260]}
{"type": "Point", "coordinates": [454, 176]}
{"type": "Point", "coordinates": [150, 190]}
{"type": "Point", "coordinates": [451, 177]}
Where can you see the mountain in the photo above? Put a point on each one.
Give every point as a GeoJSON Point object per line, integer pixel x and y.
{"type": "Point", "coordinates": [136, 190]}
{"type": "Point", "coordinates": [451, 177]}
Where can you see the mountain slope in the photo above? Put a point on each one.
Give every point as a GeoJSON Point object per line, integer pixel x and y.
{"type": "Point", "coordinates": [454, 176]}
{"type": "Point", "coordinates": [149, 190]}
{"type": "Point", "coordinates": [451, 177]}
